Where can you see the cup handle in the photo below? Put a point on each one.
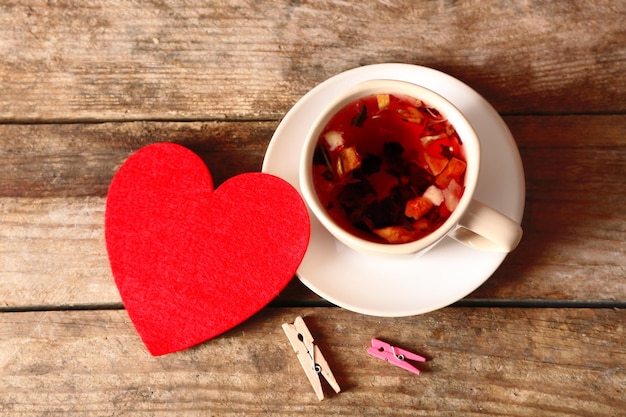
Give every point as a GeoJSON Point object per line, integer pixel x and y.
{"type": "Point", "coordinates": [484, 228]}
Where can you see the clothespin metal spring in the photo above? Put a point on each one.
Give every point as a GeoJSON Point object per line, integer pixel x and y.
{"type": "Point", "coordinates": [315, 366]}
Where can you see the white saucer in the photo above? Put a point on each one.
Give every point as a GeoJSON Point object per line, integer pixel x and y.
{"type": "Point", "coordinates": [405, 286]}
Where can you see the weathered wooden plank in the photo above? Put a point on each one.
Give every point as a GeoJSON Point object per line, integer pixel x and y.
{"type": "Point", "coordinates": [54, 180]}
{"type": "Point", "coordinates": [65, 160]}
{"type": "Point", "coordinates": [178, 60]}
{"type": "Point", "coordinates": [52, 253]}
{"type": "Point", "coordinates": [80, 159]}
{"type": "Point", "coordinates": [507, 362]}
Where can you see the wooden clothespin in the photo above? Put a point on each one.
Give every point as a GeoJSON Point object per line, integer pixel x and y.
{"type": "Point", "coordinates": [310, 356]}
{"type": "Point", "coordinates": [394, 355]}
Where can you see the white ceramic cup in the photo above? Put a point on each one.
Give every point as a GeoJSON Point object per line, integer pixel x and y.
{"type": "Point", "coordinates": [471, 222]}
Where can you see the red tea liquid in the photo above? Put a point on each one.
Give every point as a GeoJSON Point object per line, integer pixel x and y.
{"type": "Point", "coordinates": [389, 168]}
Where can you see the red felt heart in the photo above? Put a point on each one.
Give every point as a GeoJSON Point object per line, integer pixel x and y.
{"type": "Point", "coordinates": [191, 262]}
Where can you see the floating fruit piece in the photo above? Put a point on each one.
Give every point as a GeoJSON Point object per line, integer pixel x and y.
{"type": "Point", "coordinates": [396, 234]}
{"type": "Point", "coordinates": [434, 194]}
{"type": "Point", "coordinates": [383, 101]}
{"type": "Point", "coordinates": [453, 170]}
{"type": "Point", "coordinates": [418, 207]}
{"type": "Point", "coordinates": [334, 139]}
{"type": "Point", "coordinates": [435, 163]}
{"type": "Point", "coordinates": [452, 194]}
{"type": "Point", "coordinates": [349, 160]}
{"type": "Point", "coordinates": [413, 115]}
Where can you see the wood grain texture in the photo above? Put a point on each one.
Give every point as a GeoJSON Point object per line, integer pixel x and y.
{"type": "Point", "coordinates": [514, 362]}
{"type": "Point", "coordinates": [175, 60]}
{"type": "Point", "coordinates": [55, 177]}
{"type": "Point", "coordinates": [74, 160]}
{"type": "Point", "coordinates": [85, 84]}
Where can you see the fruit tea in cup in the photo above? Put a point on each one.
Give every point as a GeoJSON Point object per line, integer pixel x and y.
{"type": "Point", "coordinates": [389, 168]}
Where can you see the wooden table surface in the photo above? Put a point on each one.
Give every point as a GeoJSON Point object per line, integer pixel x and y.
{"type": "Point", "coordinates": [85, 84]}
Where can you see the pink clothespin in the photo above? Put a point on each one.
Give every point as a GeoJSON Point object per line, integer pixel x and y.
{"type": "Point", "coordinates": [394, 355]}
